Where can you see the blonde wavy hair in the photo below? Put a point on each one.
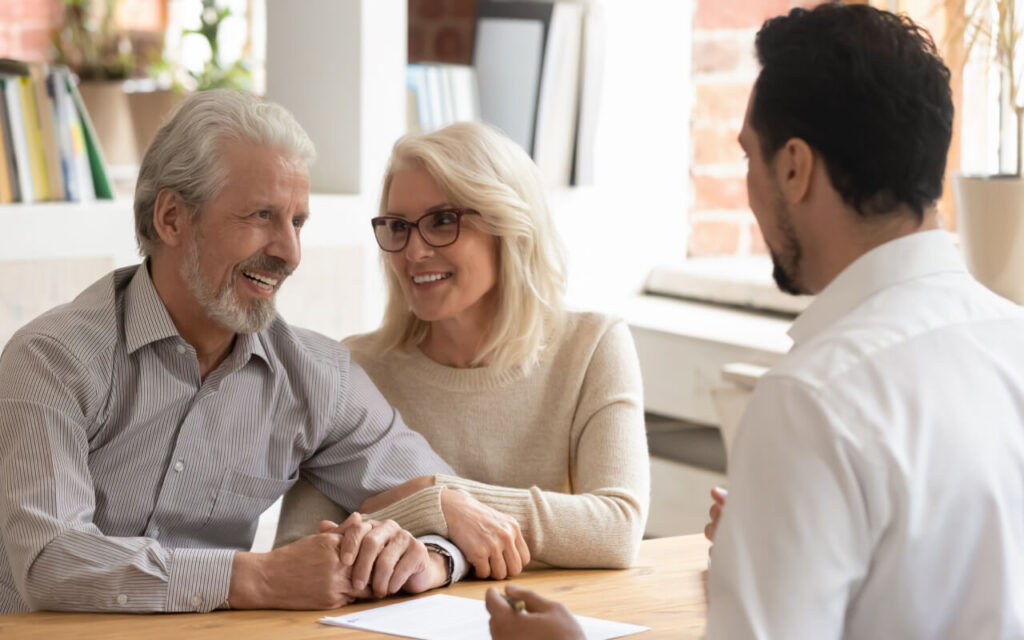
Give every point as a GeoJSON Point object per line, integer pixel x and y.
{"type": "Point", "coordinates": [478, 168]}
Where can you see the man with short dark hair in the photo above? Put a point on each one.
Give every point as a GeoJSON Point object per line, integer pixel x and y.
{"type": "Point", "coordinates": [877, 477]}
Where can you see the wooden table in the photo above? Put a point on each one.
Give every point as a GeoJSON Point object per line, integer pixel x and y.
{"type": "Point", "coordinates": [664, 590]}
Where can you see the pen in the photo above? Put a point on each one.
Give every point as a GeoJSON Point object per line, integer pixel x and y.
{"type": "Point", "coordinates": [518, 605]}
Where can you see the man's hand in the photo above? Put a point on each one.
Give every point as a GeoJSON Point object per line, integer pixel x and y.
{"type": "Point", "coordinates": [490, 540]}
{"type": "Point", "coordinates": [542, 619]}
{"type": "Point", "coordinates": [718, 495]}
{"type": "Point", "coordinates": [385, 557]}
{"type": "Point", "coordinates": [393, 495]}
{"type": "Point", "coordinates": [306, 574]}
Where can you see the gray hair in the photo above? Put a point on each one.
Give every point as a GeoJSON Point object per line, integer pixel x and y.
{"type": "Point", "coordinates": [185, 155]}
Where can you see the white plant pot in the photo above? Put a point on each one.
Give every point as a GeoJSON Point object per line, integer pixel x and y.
{"type": "Point", "coordinates": [990, 223]}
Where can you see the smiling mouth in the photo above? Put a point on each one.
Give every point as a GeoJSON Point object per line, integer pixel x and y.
{"type": "Point", "coordinates": [430, 277]}
{"type": "Point", "coordinates": [261, 281]}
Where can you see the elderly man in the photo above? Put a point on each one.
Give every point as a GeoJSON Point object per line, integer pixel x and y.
{"type": "Point", "coordinates": [146, 425]}
{"type": "Point", "coordinates": [877, 478]}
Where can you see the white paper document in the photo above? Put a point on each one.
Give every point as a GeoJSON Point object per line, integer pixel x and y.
{"type": "Point", "coordinates": [442, 617]}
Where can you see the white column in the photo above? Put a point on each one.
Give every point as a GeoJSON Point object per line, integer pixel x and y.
{"type": "Point", "coordinates": [339, 66]}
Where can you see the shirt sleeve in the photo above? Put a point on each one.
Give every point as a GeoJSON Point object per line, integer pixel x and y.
{"type": "Point", "coordinates": [59, 558]}
{"type": "Point", "coordinates": [601, 523]}
{"type": "Point", "coordinates": [370, 449]}
{"type": "Point", "coordinates": [794, 541]}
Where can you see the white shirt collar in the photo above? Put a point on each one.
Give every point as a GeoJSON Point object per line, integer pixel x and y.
{"type": "Point", "coordinates": [910, 257]}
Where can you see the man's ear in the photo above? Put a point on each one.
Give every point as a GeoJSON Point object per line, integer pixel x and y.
{"type": "Point", "coordinates": [171, 218]}
{"type": "Point", "coordinates": [794, 167]}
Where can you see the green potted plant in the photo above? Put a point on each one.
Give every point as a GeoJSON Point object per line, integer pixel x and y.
{"type": "Point", "coordinates": [990, 208]}
{"type": "Point", "coordinates": [216, 72]}
{"type": "Point", "coordinates": [90, 43]}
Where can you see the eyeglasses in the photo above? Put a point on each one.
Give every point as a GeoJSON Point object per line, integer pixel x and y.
{"type": "Point", "coordinates": [438, 229]}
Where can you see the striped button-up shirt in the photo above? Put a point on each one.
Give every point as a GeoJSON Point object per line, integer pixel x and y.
{"type": "Point", "coordinates": [127, 483]}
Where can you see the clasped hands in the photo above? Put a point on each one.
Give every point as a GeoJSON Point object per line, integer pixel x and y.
{"type": "Point", "coordinates": [491, 540]}
{"type": "Point", "coordinates": [353, 560]}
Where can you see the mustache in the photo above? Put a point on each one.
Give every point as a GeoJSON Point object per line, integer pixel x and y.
{"type": "Point", "coordinates": [266, 264]}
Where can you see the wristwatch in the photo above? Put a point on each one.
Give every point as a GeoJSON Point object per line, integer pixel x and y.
{"type": "Point", "coordinates": [448, 560]}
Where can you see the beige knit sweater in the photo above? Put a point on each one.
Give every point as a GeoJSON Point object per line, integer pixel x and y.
{"type": "Point", "coordinates": [562, 448]}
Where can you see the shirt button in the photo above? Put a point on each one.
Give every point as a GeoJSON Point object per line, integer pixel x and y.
{"type": "Point", "coordinates": [180, 348]}
{"type": "Point", "coordinates": [197, 600]}
{"type": "Point", "coordinates": [178, 466]}
{"type": "Point", "coordinates": [122, 599]}
{"type": "Point", "coordinates": [155, 533]}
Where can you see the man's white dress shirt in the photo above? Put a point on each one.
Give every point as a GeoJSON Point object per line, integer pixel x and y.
{"type": "Point", "coordinates": [877, 477]}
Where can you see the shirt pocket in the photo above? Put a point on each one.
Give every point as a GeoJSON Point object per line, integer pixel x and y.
{"type": "Point", "coordinates": [240, 501]}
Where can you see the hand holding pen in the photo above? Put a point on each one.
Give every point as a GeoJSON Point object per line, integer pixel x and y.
{"type": "Point", "coordinates": [519, 613]}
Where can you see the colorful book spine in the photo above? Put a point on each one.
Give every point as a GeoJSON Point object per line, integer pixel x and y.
{"type": "Point", "coordinates": [34, 138]}
{"type": "Point", "coordinates": [7, 185]}
{"type": "Point", "coordinates": [12, 97]}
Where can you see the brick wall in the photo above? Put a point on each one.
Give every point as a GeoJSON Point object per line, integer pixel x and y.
{"type": "Point", "coordinates": [25, 27]}
{"type": "Point", "coordinates": [724, 70]}
{"type": "Point", "coordinates": [441, 30]}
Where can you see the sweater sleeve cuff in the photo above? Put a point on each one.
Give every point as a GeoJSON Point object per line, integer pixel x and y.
{"type": "Point", "coordinates": [515, 502]}
{"type": "Point", "coordinates": [199, 579]}
{"type": "Point", "coordinates": [419, 514]}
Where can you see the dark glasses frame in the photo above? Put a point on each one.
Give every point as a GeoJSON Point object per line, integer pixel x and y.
{"type": "Point", "coordinates": [381, 221]}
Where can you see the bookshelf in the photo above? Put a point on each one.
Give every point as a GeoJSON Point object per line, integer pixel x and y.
{"type": "Point", "coordinates": [343, 73]}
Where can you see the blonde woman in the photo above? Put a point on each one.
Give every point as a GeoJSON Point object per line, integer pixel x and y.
{"type": "Point", "coordinates": [539, 410]}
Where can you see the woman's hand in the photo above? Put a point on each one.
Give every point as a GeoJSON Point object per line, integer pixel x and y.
{"type": "Point", "coordinates": [391, 496]}
{"type": "Point", "coordinates": [490, 540]}
{"type": "Point", "coordinates": [543, 619]}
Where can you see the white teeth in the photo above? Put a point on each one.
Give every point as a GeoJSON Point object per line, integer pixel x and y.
{"type": "Point", "coordinates": [432, 277]}
{"type": "Point", "coordinates": [260, 281]}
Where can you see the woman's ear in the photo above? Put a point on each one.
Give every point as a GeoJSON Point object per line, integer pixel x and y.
{"type": "Point", "coordinates": [170, 218]}
{"type": "Point", "coordinates": [794, 166]}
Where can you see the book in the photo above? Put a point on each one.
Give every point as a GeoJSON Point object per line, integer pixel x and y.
{"type": "Point", "coordinates": [591, 76]}
{"type": "Point", "coordinates": [508, 56]}
{"type": "Point", "coordinates": [8, 179]}
{"type": "Point", "coordinates": [47, 131]}
{"type": "Point", "coordinates": [71, 141]}
{"type": "Point", "coordinates": [34, 139]}
{"type": "Point", "coordinates": [465, 95]}
{"type": "Point", "coordinates": [12, 98]}
{"type": "Point", "coordinates": [416, 84]}
{"type": "Point", "coordinates": [97, 165]}
{"type": "Point", "coordinates": [554, 141]}
{"type": "Point", "coordinates": [443, 94]}
{"type": "Point", "coordinates": [528, 59]}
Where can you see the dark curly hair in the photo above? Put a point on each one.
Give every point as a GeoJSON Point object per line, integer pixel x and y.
{"type": "Point", "coordinates": [868, 91]}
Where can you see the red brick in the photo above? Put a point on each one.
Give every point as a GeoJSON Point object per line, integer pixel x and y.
{"type": "Point", "coordinates": [757, 245]}
{"type": "Point", "coordinates": [737, 14]}
{"type": "Point", "coordinates": [426, 9]}
{"type": "Point", "coordinates": [452, 44]}
{"type": "Point", "coordinates": [417, 44]}
{"type": "Point", "coordinates": [714, 237]}
{"type": "Point", "coordinates": [720, 55]}
{"type": "Point", "coordinates": [721, 102]}
{"type": "Point", "coordinates": [140, 15]}
{"type": "Point", "coordinates": [716, 194]}
{"type": "Point", "coordinates": [35, 44]}
{"type": "Point", "coordinates": [716, 145]}
{"type": "Point", "coordinates": [463, 9]}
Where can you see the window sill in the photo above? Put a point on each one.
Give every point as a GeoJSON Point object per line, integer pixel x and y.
{"type": "Point", "coordinates": [736, 281]}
